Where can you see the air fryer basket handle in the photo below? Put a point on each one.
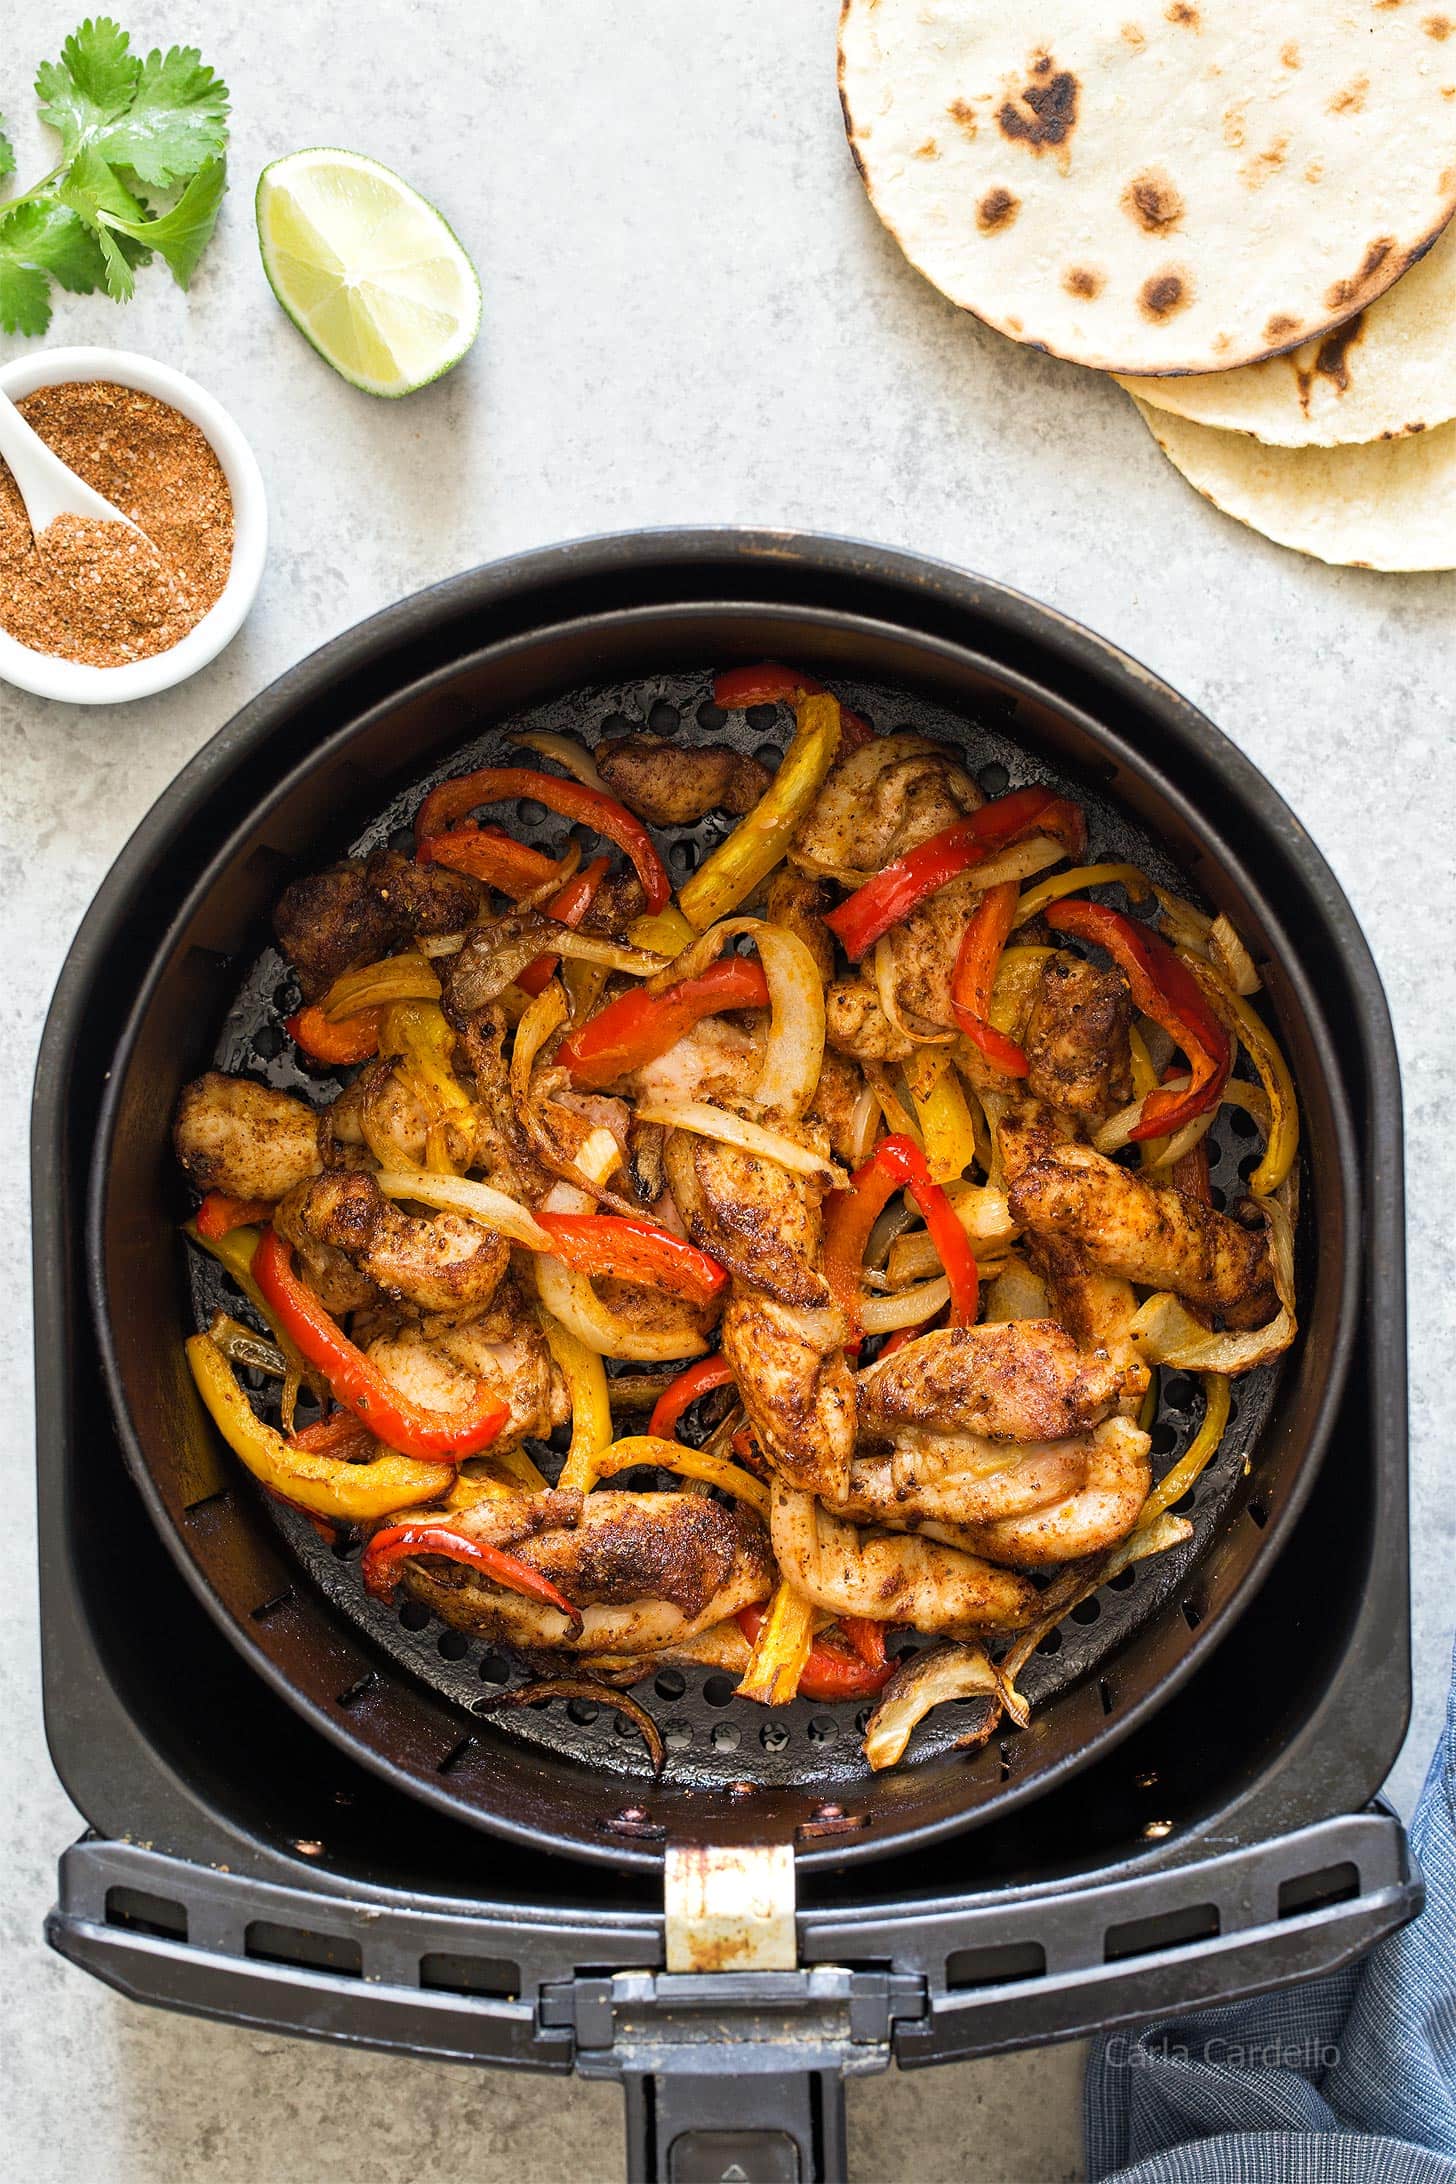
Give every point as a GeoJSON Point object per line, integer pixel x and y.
{"type": "Point", "coordinates": [736, 2127]}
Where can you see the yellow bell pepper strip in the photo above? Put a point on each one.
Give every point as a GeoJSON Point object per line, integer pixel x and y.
{"type": "Point", "coordinates": [1164, 988]}
{"type": "Point", "coordinates": [946, 1129]}
{"type": "Point", "coordinates": [322, 1484]}
{"type": "Point", "coordinates": [762, 839]}
{"type": "Point", "coordinates": [639, 1026]}
{"type": "Point", "coordinates": [398, 1543]}
{"type": "Point", "coordinates": [358, 1382]}
{"type": "Point", "coordinates": [1264, 1052]}
{"type": "Point", "coordinates": [572, 799]}
{"type": "Point", "coordinates": [891, 895]}
{"type": "Point", "coordinates": [591, 1410]}
{"type": "Point", "coordinates": [666, 932]}
{"type": "Point", "coordinates": [1199, 1452]}
{"type": "Point", "coordinates": [688, 1463]}
{"type": "Point", "coordinates": [973, 980]}
{"type": "Point", "coordinates": [234, 1254]}
{"type": "Point", "coordinates": [897, 1163]}
{"type": "Point", "coordinates": [1077, 881]}
{"type": "Point", "coordinates": [219, 1215]}
{"type": "Point", "coordinates": [407, 977]}
{"type": "Point", "coordinates": [770, 684]}
{"type": "Point", "coordinates": [634, 1251]}
{"type": "Point", "coordinates": [825, 1672]}
{"type": "Point", "coordinates": [418, 1036]}
{"type": "Point", "coordinates": [352, 1039]}
{"type": "Point", "coordinates": [680, 1394]}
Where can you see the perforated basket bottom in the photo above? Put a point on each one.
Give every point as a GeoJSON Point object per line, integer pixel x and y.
{"type": "Point", "coordinates": [711, 1737]}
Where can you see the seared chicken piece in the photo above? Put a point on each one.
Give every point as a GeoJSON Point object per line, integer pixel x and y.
{"type": "Point", "coordinates": [615, 904]}
{"type": "Point", "coordinates": [376, 1116]}
{"type": "Point", "coordinates": [798, 903]}
{"type": "Point", "coordinates": [1076, 1040]}
{"type": "Point", "coordinates": [646, 1570]}
{"type": "Point", "coordinates": [835, 1107]}
{"type": "Point", "coordinates": [719, 1056]}
{"type": "Point", "coordinates": [439, 1262]}
{"type": "Point", "coordinates": [1028, 1131]}
{"type": "Point", "coordinates": [1101, 1511]}
{"type": "Point", "coordinates": [504, 1347]}
{"type": "Point", "coordinates": [796, 1387]}
{"type": "Point", "coordinates": [856, 1025]}
{"type": "Point", "coordinates": [922, 951]}
{"type": "Point", "coordinates": [1017, 1380]}
{"type": "Point", "coordinates": [331, 922]}
{"type": "Point", "coordinates": [757, 1219]}
{"type": "Point", "coordinates": [1148, 1233]}
{"type": "Point", "coordinates": [503, 1154]}
{"type": "Point", "coordinates": [1095, 1308]}
{"type": "Point", "coordinates": [655, 1313]}
{"type": "Point", "coordinates": [903, 1579]}
{"type": "Point", "coordinates": [671, 786]}
{"type": "Point", "coordinates": [961, 1478]}
{"type": "Point", "coordinates": [891, 794]}
{"type": "Point", "coordinates": [245, 1139]}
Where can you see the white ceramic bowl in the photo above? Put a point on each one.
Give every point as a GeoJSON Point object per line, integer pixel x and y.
{"type": "Point", "coordinates": [49, 677]}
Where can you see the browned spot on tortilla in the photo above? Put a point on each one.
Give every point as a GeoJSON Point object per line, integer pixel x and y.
{"type": "Point", "coordinates": [1345, 294]}
{"type": "Point", "coordinates": [928, 150]}
{"type": "Point", "coordinates": [1221, 342]}
{"type": "Point", "coordinates": [1233, 128]}
{"type": "Point", "coordinates": [1013, 325]}
{"type": "Point", "coordinates": [964, 115]}
{"type": "Point", "coordinates": [1280, 325]}
{"type": "Point", "coordinates": [1332, 359]}
{"type": "Point", "coordinates": [1164, 293]}
{"type": "Point", "coordinates": [1352, 99]}
{"type": "Point", "coordinates": [1289, 54]}
{"type": "Point", "coordinates": [1151, 199]}
{"type": "Point", "coordinates": [1080, 280]}
{"type": "Point", "coordinates": [1182, 12]}
{"type": "Point", "coordinates": [1437, 27]}
{"type": "Point", "coordinates": [997, 209]}
{"type": "Point", "coordinates": [1044, 112]}
{"type": "Point", "coordinates": [1132, 36]}
{"type": "Point", "coordinates": [1315, 171]}
{"type": "Point", "coordinates": [1255, 172]}
{"type": "Point", "coordinates": [1448, 90]}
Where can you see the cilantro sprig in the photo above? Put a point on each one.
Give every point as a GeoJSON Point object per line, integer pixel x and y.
{"type": "Point", "coordinates": [142, 172]}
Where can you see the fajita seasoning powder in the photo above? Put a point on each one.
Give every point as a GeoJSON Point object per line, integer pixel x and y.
{"type": "Point", "coordinates": [95, 592]}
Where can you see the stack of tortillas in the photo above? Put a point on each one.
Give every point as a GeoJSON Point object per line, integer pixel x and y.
{"type": "Point", "coordinates": [1230, 204]}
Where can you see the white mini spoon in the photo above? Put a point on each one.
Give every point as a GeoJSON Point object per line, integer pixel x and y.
{"type": "Point", "coordinates": [46, 485]}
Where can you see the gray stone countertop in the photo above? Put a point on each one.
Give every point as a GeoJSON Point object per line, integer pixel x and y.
{"type": "Point", "coordinates": [691, 316]}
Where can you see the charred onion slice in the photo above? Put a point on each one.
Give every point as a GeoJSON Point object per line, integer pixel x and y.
{"type": "Point", "coordinates": [584, 1687]}
{"type": "Point", "coordinates": [927, 1680]}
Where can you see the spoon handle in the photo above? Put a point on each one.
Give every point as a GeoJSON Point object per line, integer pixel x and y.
{"type": "Point", "coordinates": [46, 484]}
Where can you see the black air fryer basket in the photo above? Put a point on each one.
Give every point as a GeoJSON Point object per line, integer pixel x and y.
{"type": "Point", "coordinates": [313, 1769]}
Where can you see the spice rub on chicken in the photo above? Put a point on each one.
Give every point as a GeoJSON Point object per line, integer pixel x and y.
{"type": "Point", "coordinates": [899, 1205]}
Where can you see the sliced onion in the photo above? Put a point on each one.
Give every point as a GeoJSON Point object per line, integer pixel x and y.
{"type": "Point", "coordinates": [494, 955]}
{"type": "Point", "coordinates": [749, 1137]}
{"type": "Point", "coordinates": [1021, 862]}
{"type": "Point", "coordinates": [584, 1687]}
{"type": "Point", "coordinates": [1179, 1145]}
{"type": "Point", "coordinates": [406, 977]}
{"type": "Point", "coordinates": [985, 1216]}
{"type": "Point", "coordinates": [1166, 1333]}
{"type": "Point", "coordinates": [919, 1033]}
{"type": "Point", "coordinates": [927, 1680]}
{"type": "Point", "coordinates": [1230, 958]}
{"type": "Point", "coordinates": [1184, 926]}
{"type": "Point", "coordinates": [573, 757]}
{"type": "Point", "coordinates": [437, 945]}
{"type": "Point", "coordinates": [478, 1201]}
{"type": "Point", "coordinates": [882, 1315]}
{"type": "Point", "coordinates": [1016, 1294]}
{"type": "Point", "coordinates": [864, 1125]}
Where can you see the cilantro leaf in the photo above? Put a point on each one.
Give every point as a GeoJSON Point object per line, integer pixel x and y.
{"type": "Point", "coordinates": [41, 242]}
{"type": "Point", "coordinates": [95, 192]}
{"type": "Point", "coordinates": [181, 235]}
{"type": "Point", "coordinates": [176, 122]}
{"type": "Point", "coordinates": [92, 83]}
{"type": "Point", "coordinates": [7, 152]}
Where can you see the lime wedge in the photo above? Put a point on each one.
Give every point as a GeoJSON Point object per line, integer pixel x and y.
{"type": "Point", "coordinates": [366, 269]}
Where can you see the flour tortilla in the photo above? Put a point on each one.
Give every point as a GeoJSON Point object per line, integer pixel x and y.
{"type": "Point", "coordinates": [1155, 186]}
{"type": "Point", "coordinates": [1389, 371]}
{"type": "Point", "coordinates": [1388, 505]}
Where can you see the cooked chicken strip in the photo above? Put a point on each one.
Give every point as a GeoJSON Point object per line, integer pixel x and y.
{"type": "Point", "coordinates": [1018, 1380]}
{"type": "Point", "coordinates": [1148, 1233]}
{"type": "Point", "coordinates": [436, 1263]}
{"type": "Point", "coordinates": [796, 1386]}
{"type": "Point", "coordinates": [502, 1153]}
{"type": "Point", "coordinates": [922, 951]}
{"type": "Point", "coordinates": [615, 904]}
{"type": "Point", "coordinates": [357, 911]}
{"type": "Point", "coordinates": [856, 1025]}
{"type": "Point", "coordinates": [756, 1218]}
{"type": "Point", "coordinates": [961, 1479]}
{"type": "Point", "coordinates": [504, 1347]}
{"type": "Point", "coordinates": [646, 1570]}
{"type": "Point", "coordinates": [1027, 1131]}
{"type": "Point", "coordinates": [902, 1579]}
{"type": "Point", "coordinates": [245, 1139]}
{"type": "Point", "coordinates": [836, 1107]}
{"type": "Point", "coordinates": [671, 785]}
{"type": "Point", "coordinates": [1076, 1040]}
{"type": "Point", "coordinates": [1102, 1511]}
{"type": "Point", "coordinates": [1095, 1308]}
{"type": "Point", "coordinates": [889, 795]}
{"type": "Point", "coordinates": [798, 903]}
{"type": "Point", "coordinates": [719, 1056]}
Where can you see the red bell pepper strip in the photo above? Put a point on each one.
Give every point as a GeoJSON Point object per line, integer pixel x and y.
{"type": "Point", "coordinates": [770, 684]}
{"type": "Point", "coordinates": [568, 906]}
{"type": "Point", "coordinates": [327, 1532]}
{"type": "Point", "coordinates": [897, 1163]}
{"type": "Point", "coordinates": [341, 1434]}
{"type": "Point", "coordinates": [829, 1673]}
{"type": "Point", "coordinates": [501, 784]}
{"type": "Point", "coordinates": [354, 1039]}
{"type": "Point", "coordinates": [898, 1338]}
{"type": "Point", "coordinates": [680, 1394]}
{"type": "Point", "coordinates": [634, 1251]}
{"type": "Point", "coordinates": [218, 1214]}
{"type": "Point", "coordinates": [514, 868]}
{"type": "Point", "coordinates": [866, 1637]}
{"type": "Point", "coordinates": [397, 1543]}
{"type": "Point", "coordinates": [435, 1436]}
{"type": "Point", "coordinates": [974, 976]}
{"type": "Point", "coordinates": [638, 1026]}
{"type": "Point", "coordinates": [891, 895]}
{"type": "Point", "coordinates": [1167, 992]}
